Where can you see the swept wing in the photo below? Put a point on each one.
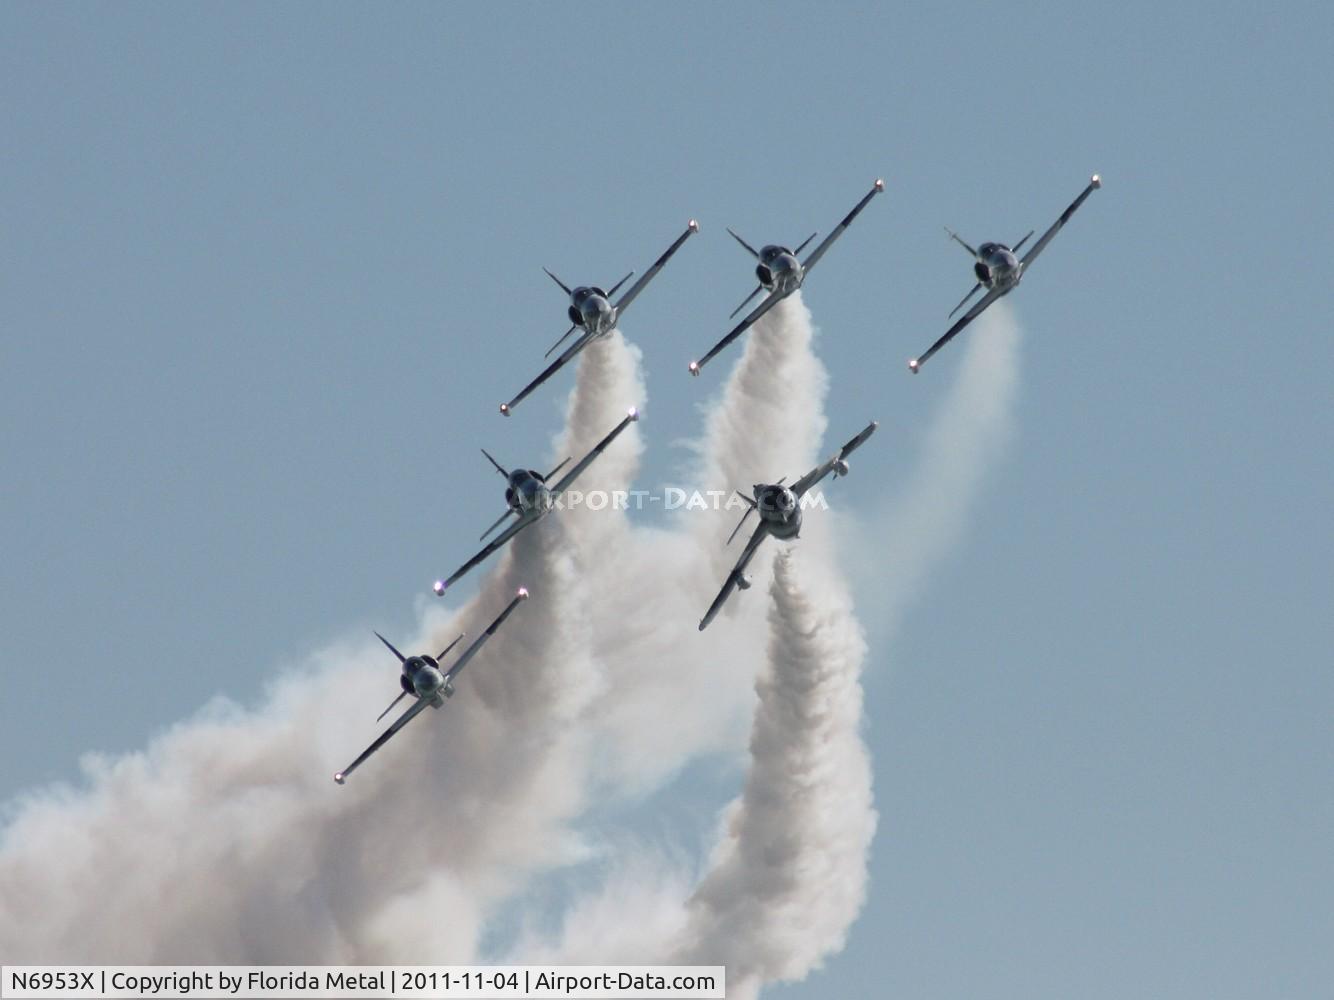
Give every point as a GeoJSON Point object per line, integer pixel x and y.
{"type": "Point", "coordinates": [524, 520]}
{"type": "Point", "coordinates": [804, 484]}
{"type": "Point", "coordinates": [978, 308]}
{"type": "Point", "coordinates": [828, 241]}
{"type": "Point", "coordinates": [568, 479]}
{"type": "Point", "coordinates": [638, 286]}
{"type": "Point", "coordinates": [730, 584]}
{"type": "Point", "coordinates": [1095, 182]}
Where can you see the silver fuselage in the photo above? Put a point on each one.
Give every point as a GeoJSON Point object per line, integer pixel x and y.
{"type": "Point", "coordinates": [779, 509]}
{"type": "Point", "coordinates": [527, 492]}
{"type": "Point", "coordinates": [423, 675]}
{"type": "Point", "coordinates": [590, 309]}
{"type": "Point", "coordinates": [779, 270]}
{"type": "Point", "coordinates": [997, 267]}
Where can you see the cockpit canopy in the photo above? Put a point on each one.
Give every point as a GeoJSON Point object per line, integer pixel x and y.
{"type": "Point", "coordinates": [584, 292]}
{"type": "Point", "coordinates": [772, 252]}
{"type": "Point", "coordinates": [525, 489]}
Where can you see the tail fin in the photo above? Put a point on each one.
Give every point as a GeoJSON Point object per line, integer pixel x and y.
{"type": "Point", "coordinates": [573, 327]}
{"type": "Point", "coordinates": [746, 301]}
{"type": "Point", "coordinates": [616, 287]}
{"type": "Point", "coordinates": [401, 657]}
{"type": "Point", "coordinates": [751, 507]}
{"type": "Point", "coordinates": [391, 705]}
{"type": "Point", "coordinates": [966, 298]}
{"type": "Point", "coordinates": [955, 237]}
{"type": "Point", "coordinates": [563, 287]}
{"type": "Point", "coordinates": [750, 249]}
{"type": "Point", "coordinates": [558, 468]}
{"type": "Point", "coordinates": [444, 651]}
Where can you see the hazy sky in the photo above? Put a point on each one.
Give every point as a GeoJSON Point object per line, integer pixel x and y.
{"type": "Point", "coordinates": [268, 271]}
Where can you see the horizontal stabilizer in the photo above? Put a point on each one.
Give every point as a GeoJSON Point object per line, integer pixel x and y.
{"type": "Point", "coordinates": [444, 652]}
{"type": "Point", "coordinates": [563, 287]}
{"type": "Point", "coordinates": [401, 657]}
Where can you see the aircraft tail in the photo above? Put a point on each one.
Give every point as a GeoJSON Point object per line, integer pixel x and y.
{"type": "Point", "coordinates": [804, 243]}
{"type": "Point", "coordinates": [563, 287]}
{"type": "Point", "coordinates": [957, 239]}
{"type": "Point", "coordinates": [391, 706]}
{"type": "Point", "coordinates": [751, 507]}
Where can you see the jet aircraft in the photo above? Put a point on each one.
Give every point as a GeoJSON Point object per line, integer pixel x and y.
{"type": "Point", "coordinates": [999, 270]}
{"type": "Point", "coordinates": [529, 498]}
{"type": "Point", "coordinates": [423, 679]}
{"type": "Point", "coordinates": [591, 310]}
{"type": "Point", "coordinates": [779, 507]}
{"type": "Point", "coordinates": [780, 274]}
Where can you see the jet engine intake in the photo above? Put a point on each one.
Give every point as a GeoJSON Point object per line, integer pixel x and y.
{"type": "Point", "coordinates": [765, 275]}
{"type": "Point", "coordinates": [743, 581]}
{"type": "Point", "coordinates": [576, 317]}
{"type": "Point", "coordinates": [983, 273]}
{"type": "Point", "coordinates": [406, 684]}
{"type": "Point", "coordinates": [841, 468]}
{"type": "Point", "coordinates": [448, 689]}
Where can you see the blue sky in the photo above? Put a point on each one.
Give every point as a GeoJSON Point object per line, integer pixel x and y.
{"type": "Point", "coordinates": [267, 273]}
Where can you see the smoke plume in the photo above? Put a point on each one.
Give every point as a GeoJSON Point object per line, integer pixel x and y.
{"type": "Point", "coordinates": [790, 874]}
{"type": "Point", "coordinates": [967, 435]}
{"type": "Point", "coordinates": [225, 841]}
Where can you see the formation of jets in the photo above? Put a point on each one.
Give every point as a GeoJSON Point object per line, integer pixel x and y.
{"type": "Point", "coordinates": [529, 496]}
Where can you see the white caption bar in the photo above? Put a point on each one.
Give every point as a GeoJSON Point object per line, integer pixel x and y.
{"type": "Point", "coordinates": [479, 982]}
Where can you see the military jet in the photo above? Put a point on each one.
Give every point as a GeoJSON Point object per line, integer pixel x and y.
{"type": "Point", "coordinates": [999, 270]}
{"type": "Point", "coordinates": [591, 311]}
{"type": "Point", "coordinates": [423, 679]}
{"type": "Point", "coordinates": [780, 515]}
{"type": "Point", "coordinates": [529, 498]}
{"type": "Point", "coordinates": [780, 274]}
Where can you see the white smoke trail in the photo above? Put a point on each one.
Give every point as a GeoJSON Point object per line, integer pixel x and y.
{"type": "Point", "coordinates": [227, 841]}
{"type": "Point", "coordinates": [966, 437]}
{"type": "Point", "coordinates": [770, 418]}
{"type": "Point", "coordinates": [790, 874]}
{"type": "Point", "coordinates": [766, 423]}
{"type": "Point", "coordinates": [608, 383]}
{"type": "Point", "coordinates": [253, 854]}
